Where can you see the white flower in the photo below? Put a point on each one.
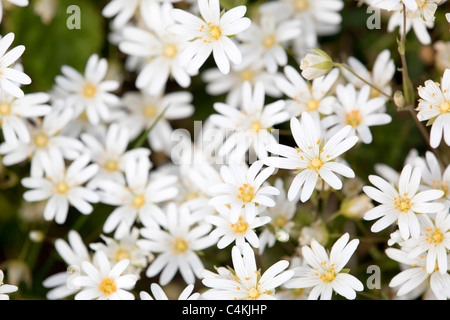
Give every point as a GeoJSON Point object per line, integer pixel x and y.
{"type": "Point", "coordinates": [14, 113]}
{"type": "Point", "coordinates": [46, 138]}
{"type": "Point", "coordinates": [447, 16]}
{"type": "Point", "coordinates": [432, 175]}
{"type": "Point", "coordinates": [139, 197]}
{"type": "Point", "coordinates": [144, 109]}
{"type": "Point", "coordinates": [434, 105]}
{"type": "Point", "coordinates": [177, 238]}
{"type": "Point", "coordinates": [249, 126]}
{"type": "Point", "coordinates": [5, 288]}
{"type": "Point", "coordinates": [357, 109]}
{"type": "Point", "coordinates": [111, 154]}
{"type": "Point", "coordinates": [239, 232]}
{"type": "Point", "coordinates": [313, 98]}
{"type": "Point", "coordinates": [158, 47]}
{"type": "Point", "coordinates": [434, 239]}
{"type": "Point", "coordinates": [231, 84]}
{"type": "Point", "coordinates": [244, 189]}
{"type": "Point", "coordinates": [315, 64]}
{"type": "Point", "coordinates": [281, 218]}
{"type": "Point", "coordinates": [210, 34]}
{"type": "Point", "coordinates": [414, 22]}
{"type": "Point", "coordinates": [313, 158]}
{"type": "Point", "coordinates": [89, 92]}
{"type": "Point", "coordinates": [104, 281]}
{"type": "Point", "coordinates": [416, 276]}
{"type": "Point", "coordinates": [394, 4]}
{"type": "Point", "coordinates": [248, 283]}
{"type": "Point", "coordinates": [268, 39]}
{"type": "Point", "coordinates": [381, 74]}
{"type": "Point", "coordinates": [401, 205]}
{"type": "Point", "coordinates": [63, 187]}
{"type": "Point", "coordinates": [73, 252]}
{"type": "Point", "coordinates": [9, 76]}
{"type": "Point", "coordinates": [159, 293]}
{"type": "Point", "coordinates": [325, 272]}
{"type": "Point", "coordinates": [124, 246]}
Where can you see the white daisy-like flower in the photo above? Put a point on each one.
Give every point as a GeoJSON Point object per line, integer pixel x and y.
{"type": "Point", "coordinates": [313, 98]}
{"type": "Point", "coordinates": [394, 4]}
{"type": "Point", "coordinates": [14, 113]}
{"type": "Point", "coordinates": [246, 282]}
{"type": "Point", "coordinates": [144, 109]}
{"type": "Point", "coordinates": [415, 276]}
{"type": "Point", "coordinates": [314, 156]}
{"type": "Point", "coordinates": [6, 288]}
{"type": "Point", "coordinates": [11, 78]}
{"type": "Point", "coordinates": [434, 106]}
{"type": "Point", "coordinates": [124, 246]}
{"type": "Point", "coordinates": [434, 240]}
{"type": "Point", "coordinates": [243, 189]}
{"type": "Point", "coordinates": [89, 92]}
{"type": "Point", "coordinates": [231, 84]}
{"type": "Point", "coordinates": [158, 47]}
{"type": "Point", "coordinates": [432, 175]}
{"type": "Point", "coordinates": [210, 34]}
{"type": "Point", "coordinates": [239, 232]}
{"type": "Point", "coordinates": [103, 281]}
{"type": "Point", "coordinates": [111, 154]}
{"type": "Point", "coordinates": [267, 40]}
{"type": "Point", "coordinates": [73, 252]}
{"type": "Point", "coordinates": [357, 109]}
{"type": "Point", "coordinates": [63, 187]}
{"type": "Point", "coordinates": [381, 74]}
{"type": "Point", "coordinates": [139, 197]}
{"type": "Point", "coordinates": [249, 126]}
{"type": "Point", "coordinates": [45, 138]}
{"type": "Point", "coordinates": [281, 218]}
{"type": "Point", "coordinates": [325, 271]}
{"type": "Point", "coordinates": [402, 204]}
{"type": "Point", "coordinates": [176, 239]}
{"type": "Point", "coordinates": [414, 22]}
{"type": "Point", "coordinates": [159, 293]}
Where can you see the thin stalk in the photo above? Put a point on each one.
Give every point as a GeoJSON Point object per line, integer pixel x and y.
{"type": "Point", "coordinates": [141, 140]}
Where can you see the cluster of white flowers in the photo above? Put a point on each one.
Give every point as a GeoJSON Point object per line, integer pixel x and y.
{"type": "Point", "coordinates": [243, 182]}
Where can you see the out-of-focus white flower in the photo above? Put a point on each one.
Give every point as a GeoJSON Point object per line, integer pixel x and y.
{"type": "Point", "coordinates": [313, 158]}
{"type": "Point", "coordinates": [442, 57]}
{"type": "Point", "coordinates": [244, 189]}
{"type": "Point", "coordinates": [104, 281]}
{"type": "Point", "coordinates": [11, 78]}
{"type": "Point", "coordinates": [6, 288]}
{"type": "Point", "coordinates": [315, 64]}
{"type": "Point", "coordinates": [210, 34]}
{"type": "Point", "coordinates": [401, 206]}
{"type": "Point", "coordinates": [88, 92]}
{"type": "Point", "coordinates": [414, 22]}
{"type": "Point", "coordinates": [63, 187]}
{"type": "Point", "coordinates": [357, 109]}
{"type": "Point", "coordinates": [434, 105]}
{"type": "Point", "coordinates": [248, 283]}
{"type": "Point", "coordinates": [324, 273]}
{"type": "Point", "coordinates": [356, 206]}
{"type": "Point", "coordinates": [159, 293]}
{"type": "Point", "coordinates": [176, 239]}
{"type": "Point", "coordinates": [249, 126]}
{"type": "Point", "coordinates": [432, 175]}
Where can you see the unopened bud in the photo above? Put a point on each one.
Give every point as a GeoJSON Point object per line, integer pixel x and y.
{"type": "Point", "coordinates": [315, 64]}
{"type": "Point", "coordinates": [399, 99]}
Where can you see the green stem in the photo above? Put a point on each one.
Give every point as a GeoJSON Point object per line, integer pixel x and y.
{"type": "Point", "coordinates": [340, 65]}
{"type": "Point", "coordinates": [141, 140]}
{"type": "Point", "coordinates": [408, 90]}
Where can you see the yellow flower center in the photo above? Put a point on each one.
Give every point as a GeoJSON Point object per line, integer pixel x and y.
{"type": "Point", "coordinates": [374, 93]}
{"type": "Point", "coordinates": [170, 51]}
{"type": "Point", "coordinates": [138, 201]}
{"type": "Point", "coordinates": [329, 276]}
{"type": "Point", "coordinates": [150, 111]}
{"type": "Point", "coordinates": [269, 41]}
{"type": "Point", "coordinates": [215, 32]}
{"type": "Point", "coordinates": [111, 165]}
{"type": "Point", "coordinates": [254, 294]}
{"type": "Point", "coordinates": [279, 221]}
{"type": "Point", "coordinates": [402, 204]}
{"type": "Point", "coordinates": [316, 163]}
{"type": "Point", "coordinates": [444, 107]}
{"type": "Point", "coordinates": [240, 227]}
{"type": "Point", "coordinates": [61, 187]}
{"type": "Point", "coordinates": [121, 254]}
{"type": "Point", "coordinates": [353, 118]}
{"type": "Point", "coordinates": [107, 286]}
{"type": "Point", "coordinates": [41, 140]}
{"type": "Point", "coordinates": [89, 90]}
{"type": "Point", "coordinates": [5, 109]}
{"type": "Point", "coordinates": [301, 5]}
{"type": "Point", "coordinates": [246, 193]}
{"type": "Point", "coordinates": [256, 126]}
{"type": "Point", "coordinates": [247, 75]}
{"type": "Point", "coordinates": [312, 105]}
{"type": "Point", "coordinates": [434, 237]}
{"type": "Point", "coordinates": [179, 245]}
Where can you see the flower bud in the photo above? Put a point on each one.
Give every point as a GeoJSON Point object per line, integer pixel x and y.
{"type": "Point", "coordinates": [356, 207]}
{"type": "Point", "coordinates": [399, 99]}
{"type": "Point", "coordinates": [315, 64]}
